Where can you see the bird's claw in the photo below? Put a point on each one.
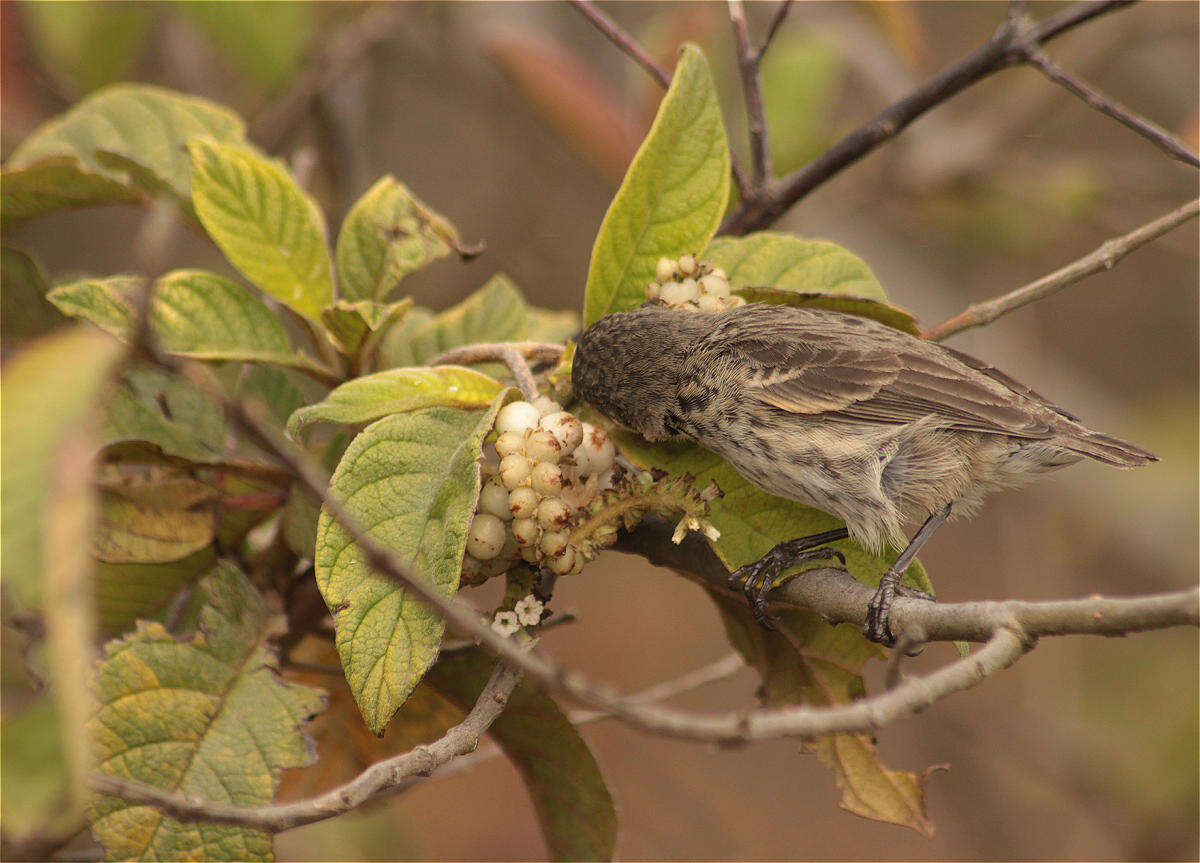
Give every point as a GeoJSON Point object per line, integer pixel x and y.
{"type": "Point", "coordinates": [757, 579]}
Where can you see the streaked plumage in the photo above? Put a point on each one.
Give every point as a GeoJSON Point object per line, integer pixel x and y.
{"type": "Point", "coordinates": [840, 412]}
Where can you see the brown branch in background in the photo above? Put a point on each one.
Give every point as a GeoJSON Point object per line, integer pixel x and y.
{"type": "Point", "coordinates": [1103, 258]}
{"type": "Point", "coordinates": [1157, 135]}
{"type": "Point", "coordinates": [512, 354]}
{"type": "Point", "coordinates": [1006, 48]}
{"type": "Point", "coordinates": [781, 13]}
{"type": "Point", "coordinates": [624, 41]}
{"type": "Point", "coordinates": [760, 148]}
{"type": "Point", "coordinates": [377, 779]}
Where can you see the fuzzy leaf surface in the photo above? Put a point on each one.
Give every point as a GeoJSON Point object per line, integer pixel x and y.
{"type": "Point", "coordinates": [673, 195]}
{"type": "Point", "coordinates": [411, 480]}
{"type": "Point", "coordinates": [394, 391]}
{"type": "Point", "coordinates": [150, 405]}
{"type": "Point", "coordinates": [388, 234]}
{"type": "Point", "coordinates": [264, 223]}
{"type": "Point", "coordinates": [354, 325]}
{"type": "Point", "coordinates": [573, 804]}
{"type": "Point", "coordinates": [785, 261]}
{"type": "Point", "coordinates": [207, 716]}
{"type": "Point", "coordinates": [50, 389]}
{"type": "Point", "coordinates": [118, 144]}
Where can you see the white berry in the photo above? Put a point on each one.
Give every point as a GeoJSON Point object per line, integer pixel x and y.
{"type": "Point", "coordinates": [512, 441]}
{"type": "Point", "coordinates": [514, 471]}
{"type": "Point", "coordinates": [565, 427]}
{"type": "Point", "coordinates": [563, 563]}
{"type": "Point", "coordinates": [522, 502]}
{"type": "Point", "coordinates": [518, 415]}
{"type": "Point", "coordinates": [547, 478]}
{"type": "Point", "coordinates": [546, 405]}
{"type": "Point", "coordinates": [486, 536]}
{"type": "Point", "coordinates": [526, 531]}
{"type": "Point", "coordinates": [715, 286]}
{"type": "Point", "coordinates": [673, 294]}
{"type": "Point", "coordinates": [553, 542]}
{"type": "Point", "coordinates": [596, 452]}
{"type": "Point", "coordinates": [543, 445]}
{"type": "Point", "coordinates": [552, 512]}
{"type": "Point", "coordinates": [687, 265]}
{"type": "Point", "coordinates": [710, 304]}
{"type": "Point", "coordinates": [653, 289]}
{"type": "Point", "coordinates": [664, 270]}
{"type": "Point", "coordinates": [493, 499]}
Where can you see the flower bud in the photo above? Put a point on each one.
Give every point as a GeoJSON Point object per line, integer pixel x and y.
{"type": "Point", "coordinates": [512, 441]}
{"type": "Point", "coordinates": [547, 478]}
{"type": "Point", "coordinates": [493, 499]}
{"type": "Point", "coordinates": [565, 427]}
{"type": "Point", "coordinates": [514, 471]}
{"type": "Point", "coordinates": [522, 502]}
{"type": "Point", "coordinates": [486, 536]}
{"type": "Point", "coordinates": [553, 512]}
{"type": "Point", "coordinates": [518, 415]}
{"type": "Point", "coordinates": [664, 270]}
{"type": "Point", "coordinates": [526, 532]}
{"type": "Point", "coordinates": [543, 445]}
{"type": "Point", "coordinates": [553, 542]}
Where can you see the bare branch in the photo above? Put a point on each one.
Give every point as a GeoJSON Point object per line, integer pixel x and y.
{"type": "Point", "coordinates": [377, 779]}
{"type": "Point", "coordinates": [512, 354]}
{"type": "Point", "coordinates": [781, 12]}
{"type": "Point", "coordinates": [711, 673]}
{"type": "Point", "coordinates": [1152, 132]}
{"type": "Point", "coordinates": [1004, 49]}
{"type": "Point", "coordinates": [624, 41]}
{"type": "Point", "coordinates": [1103, 258]}
{"type": "Point", "coordinates": [760, 149]}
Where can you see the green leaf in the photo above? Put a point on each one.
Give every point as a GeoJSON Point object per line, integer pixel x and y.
{"type": "Point", "coordinates": [265, 41]}
{"type": "Point", "coordinates": [208, 717]}
{"type": "Point", "coordinates": [33, 773]}
{"type": "Point", "coordinates": [551, 325]}
{"type": "Point", "coordinates": [893, 316]}
{"type": "Point", "coordinates": [800, 75]}
{"type": "Point", "coordinates": [672, 198]}
{"type": "Point", "coordinates": [93, 44]}
{"type": "Point", "coordinates": [264, 223]}
{"type": "Point", "coordinates": [397, 391]}
{"type": "Point", "coordinates": [412, 481]}
{"type": "Point", "coordinates": [494, 313]}
{"type": "Point", "coordinates": [783, 261]}
{"type": "Point", "coordinates": [153, 516]}
{"type": "Point", "coordinates": [125, 593]}
{"type": "Point", "coordinates": [24, 312]}
{"type": "Point", "coordinates": [822, 665]}
{"type": "Point", "coordinates": [388, 234]}
{"type": "Point", "coordinates": [119, 144]}
{"type": "Point", "coordinates": [50, 390]}
{"type": "Point", "coordinates": [574, 807]}
{"type": "Point", "coordinates": [153, 406]}
{"type": "Point", "coordinates": [273, 388]}
{"type": "Point", "coordinates": [353, 326]}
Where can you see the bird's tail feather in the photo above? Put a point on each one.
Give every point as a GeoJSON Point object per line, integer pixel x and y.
{"type": "Point", "coordinates": [1108, 449]}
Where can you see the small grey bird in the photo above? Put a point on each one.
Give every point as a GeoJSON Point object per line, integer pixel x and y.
{"type": "Point", "coordinates": [840, 412]}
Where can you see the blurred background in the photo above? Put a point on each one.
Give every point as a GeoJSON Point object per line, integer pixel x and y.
{"type": "Point", "coordinates": [517, 121]}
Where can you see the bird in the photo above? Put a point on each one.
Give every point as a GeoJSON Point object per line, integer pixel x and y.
{"type": "Point", "coordinates": [840, 412]}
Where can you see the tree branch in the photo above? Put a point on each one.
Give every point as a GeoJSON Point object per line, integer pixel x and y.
{"type": "Point", "coordinates": [1152, 132]}
{"type": "Point", "coordinates": [624, 41]}
{"type": "Point", "coordinates": [377, 779]}
{"type": "Point", "coordinates": [781, 12]}
{"type": "Point", "coordinates": [1007, 47]}
{"type": "Point", "coordinates": [1103, 258]}
{"type": "Point", "coordinates": [760, 148]}
{"type": "Point", "coordinates": [512, 354]}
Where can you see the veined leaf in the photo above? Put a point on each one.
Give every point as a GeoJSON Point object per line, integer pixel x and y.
{"type": "Point", "coordinates": [264, 223]}
{"type": "Point", "coordinates": [388, 234]}
{"type": "Point", "coordinates": [153, 516]}
{"type": "Point", "coordinates": [355, 326]}
{"type": "Point", "coordinates": [396, 391]}
{"type": "Point", "coordinates": [208, 717]}
{"type": "Point", "coordinates": [50, 389]}
{"type": "Point", "coordinates": [494, 313]}
{"type": "Point", "coordinates": [893, 316]}
{"type": "Point", "coordinates": [194, 314]}
{"type": "Point", "coordinates": [119, 144]}
{"type": "Point", "coordinates": [672, 198]}
{"type": "Point", "coordinates": [125, 593]}
{"type": "Point", "coordinates": [574, 806]}
{"type": "Point", "coordinates": [412, 481]}
{"type": "Point", "coordinates": [152, 405]}
{"type": "Point", "coordinates": [777, 260]}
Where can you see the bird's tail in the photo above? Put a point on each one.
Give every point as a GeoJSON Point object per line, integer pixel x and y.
{"type": "Point", "coordinates": [1107, 449]}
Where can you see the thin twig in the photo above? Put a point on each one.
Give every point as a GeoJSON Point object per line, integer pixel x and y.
{"type": "Point", "coordinates": [760, 148]}
{"type": "Point", "coordinates": [1103, 258]}
{"type": "Point", "coordinates": [624, 41]}
{"type": "Point", "coordinates": [377, 779]}
{"type": "Point", "coordinates": [781, 13]}
{"type": "Point", "coordinates": [724, 667]}
{"type": "Point", "coordinates": [1152, 132]}
{"type": "Point", "coordinates": [512, 354]}
{"type": "Point", "coordinates": [1004, 49]}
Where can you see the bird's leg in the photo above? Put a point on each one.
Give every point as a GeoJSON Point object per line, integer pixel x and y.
{"type": "Point", "coordinates": [876, 626]}
{"type": "Point", "coordinates": [758, 579]}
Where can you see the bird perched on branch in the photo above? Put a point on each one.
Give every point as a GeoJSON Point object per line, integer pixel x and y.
{"type": "Point", "coordinates": [839, 412]}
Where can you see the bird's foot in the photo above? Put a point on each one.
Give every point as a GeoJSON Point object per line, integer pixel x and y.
{"type": "Point", "coordinates": [758, 579]}
{"type": "Point", "coordinates": [877, 625]}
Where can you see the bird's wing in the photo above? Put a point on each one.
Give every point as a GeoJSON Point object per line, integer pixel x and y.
{"type": "Point", "coordinates": [842, 366]}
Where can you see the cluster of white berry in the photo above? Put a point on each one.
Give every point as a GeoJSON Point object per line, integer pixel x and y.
{"type": "Point", "coordinates": [551, 466]}
{"type": "Point", "coordinates": [693, 285]}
